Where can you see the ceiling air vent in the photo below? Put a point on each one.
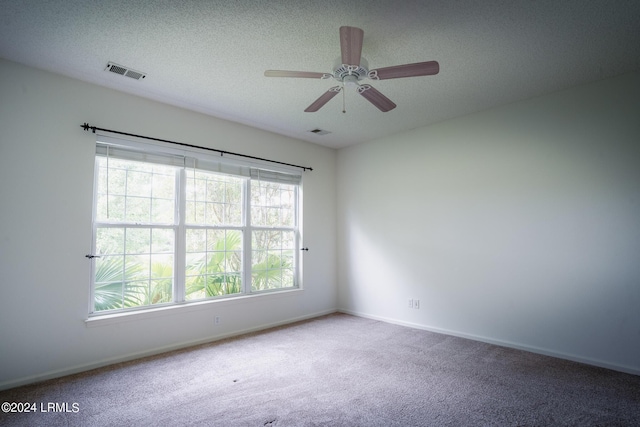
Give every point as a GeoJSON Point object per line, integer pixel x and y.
{"type": "Point", "coordinates": [125, 71]}
{"type": "Point", "coordinates": [320, 132]}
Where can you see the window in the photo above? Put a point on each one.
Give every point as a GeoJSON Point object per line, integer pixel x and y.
{"type": "Point", "coordinates": [173, 229]}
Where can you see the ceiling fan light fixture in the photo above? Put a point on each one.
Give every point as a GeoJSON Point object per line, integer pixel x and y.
{"type": "Point", "coordinates": [350, 81]}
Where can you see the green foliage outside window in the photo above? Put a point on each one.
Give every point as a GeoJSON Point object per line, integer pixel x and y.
{"type": "Point", "coordinates": [136, 234]}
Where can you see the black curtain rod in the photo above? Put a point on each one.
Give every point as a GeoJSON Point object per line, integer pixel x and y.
{"type": "Point", "coordinates": [86, 126]}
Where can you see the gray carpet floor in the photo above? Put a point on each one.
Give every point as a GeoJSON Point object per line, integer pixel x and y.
{"type": "Point", "coordinates": [337, 370]}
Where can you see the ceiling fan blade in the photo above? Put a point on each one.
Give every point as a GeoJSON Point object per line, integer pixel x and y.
{"type": "Point", "coordinates": [326, 97]}
{"type": "Point", "coordinates": [302, 74]}
{"type": "Point", "coordinates": [372, 95]}
{"type": "Point", "coordinates": [407, 70]}
{"type": "Point", "coordinates": [351, 45]}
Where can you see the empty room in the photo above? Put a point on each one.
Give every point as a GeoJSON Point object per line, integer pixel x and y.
{"type": "Point", "coordinates": [299, 213]}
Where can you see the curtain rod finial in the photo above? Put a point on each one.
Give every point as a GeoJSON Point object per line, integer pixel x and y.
{"type": "Point", "coordinates": [86, 126]}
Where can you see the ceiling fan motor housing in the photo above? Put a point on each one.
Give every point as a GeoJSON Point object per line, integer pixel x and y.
{"type": "Point", "coordinates": [351, 74]}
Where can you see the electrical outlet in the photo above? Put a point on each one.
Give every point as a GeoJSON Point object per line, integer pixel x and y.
{"type": "Point", "coordinates": [217, 320]}
{"type": "Point", "coordinates": [410, 304]}
{"type": "Point", "coordinates": [416, 304]}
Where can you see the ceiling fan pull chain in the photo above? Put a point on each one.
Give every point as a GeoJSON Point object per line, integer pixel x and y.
{"type": "Point", "coordinates": [344, 108]}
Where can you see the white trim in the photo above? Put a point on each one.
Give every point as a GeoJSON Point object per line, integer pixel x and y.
{"type": "Point", "coordinates": [502, 343]}
{"type": "Point", "coordinates": [179, 308]}
{"type": "Point", "coordinates": [180, 244]}
{"type": "Point", "coordinates": [246, 240]}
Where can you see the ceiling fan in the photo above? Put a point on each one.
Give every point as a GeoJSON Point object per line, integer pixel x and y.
{"type": "Point", "coordinates": [352, 68]}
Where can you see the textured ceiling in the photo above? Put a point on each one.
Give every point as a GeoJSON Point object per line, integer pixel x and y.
{"type": "Point", "coordinates": [210, 56]}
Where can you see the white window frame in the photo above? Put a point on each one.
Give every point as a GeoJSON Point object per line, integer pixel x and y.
{"type": "Point", "coordinates": [189, 159]}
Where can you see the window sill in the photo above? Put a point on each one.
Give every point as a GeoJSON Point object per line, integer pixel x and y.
{"type": "Point", "coordinates": [181, 308]}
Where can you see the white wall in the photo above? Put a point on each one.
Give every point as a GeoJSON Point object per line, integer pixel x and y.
{"type": "Point", "coordinates": [46, 174]}
{"type": "Point", "coordinates": [519, 225]}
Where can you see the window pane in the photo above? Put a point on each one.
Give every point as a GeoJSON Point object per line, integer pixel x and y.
{"type": "Point", "coordinates": [138, 241]}
{"type": "Point", "coordinates": [214, 263]}
{"type": "Point", "coordinates": [272, 204]}
{"type": "Point", "coordinates": [137, 209]}
{"type": "Point", "coordinates": [135, 191]}
{"type": "Point", "coordinates": [162, 211]}
{"type": "Point", "coordinates": [138, 182]}
{"type": "Point", "coordinates": [161, 266]}
{"type": "Point", "coordinates": [134, 293]}
{"type": "Point", "coordinates": [213, 199]}
{"type": "Point", "coordinates": [112, 207]}
{"type": "Point", "coordinates": [161, 291]}
{"type": "Point", "coordinates": [109, 240]}
{"type": "Point", "coordinates": [272, 260]}
{"type": "Point", "coordinates": [162, 241]}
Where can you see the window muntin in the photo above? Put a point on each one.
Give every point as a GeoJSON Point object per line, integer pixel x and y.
{"type": "Point", "coordinates": [167, 234]}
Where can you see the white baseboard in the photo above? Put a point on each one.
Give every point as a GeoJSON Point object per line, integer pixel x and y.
{"type": "Point", "coordinates": [152, 352]}
{"type": "Point", "coordinates": [502, 343]}
{"type": "Point", "coordinates": [125, 358]}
